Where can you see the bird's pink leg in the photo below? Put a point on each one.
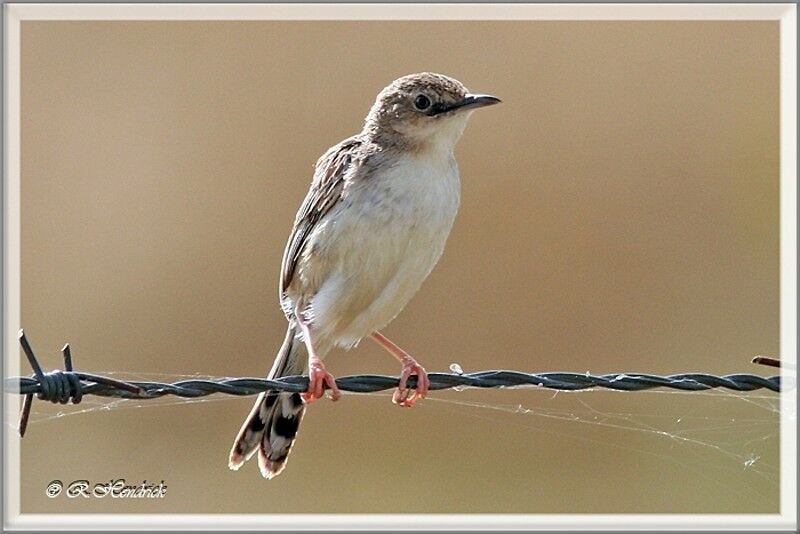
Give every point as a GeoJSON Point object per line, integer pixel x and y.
{"type": "Point", "coordinates": [318, 376]}
{"type": "Point", "coordinates": [404, 396]}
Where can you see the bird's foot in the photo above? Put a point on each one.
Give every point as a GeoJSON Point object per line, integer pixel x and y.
{"type": "Point", "coordinates": [407, 397]}
{"type": "Point", "coordinates": [318, 378]}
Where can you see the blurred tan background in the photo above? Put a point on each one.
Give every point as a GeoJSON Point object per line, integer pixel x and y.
{"type": "Point", "coordinates": [619, 213]}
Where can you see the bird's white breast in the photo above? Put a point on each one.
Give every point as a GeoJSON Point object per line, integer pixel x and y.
{"type": "Point", "coordinates": [382, 241]}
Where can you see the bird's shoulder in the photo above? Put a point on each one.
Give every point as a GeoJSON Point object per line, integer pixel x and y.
{"type": "Point", "coordinates": [344, 159]}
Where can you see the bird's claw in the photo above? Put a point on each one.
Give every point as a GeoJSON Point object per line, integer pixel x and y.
{"type": "Point", "coordinates": [405, 397]}
{"type": "Point", "coordinates": [318, 378]}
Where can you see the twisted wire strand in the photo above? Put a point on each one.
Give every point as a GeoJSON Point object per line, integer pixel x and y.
{"type": "Point", "coordinates": [62, 386]}
{"type": "Point", "coordinates": [70, 386]}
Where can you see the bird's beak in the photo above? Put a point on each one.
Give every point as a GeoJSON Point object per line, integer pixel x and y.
{"type": "Point", "coordinates": [478, 101]}
{"type": "Point", "coordinates": [469, 102]}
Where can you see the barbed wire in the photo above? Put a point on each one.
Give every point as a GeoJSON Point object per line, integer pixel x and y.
{"type": "Point", "coordinates": [67, 385]}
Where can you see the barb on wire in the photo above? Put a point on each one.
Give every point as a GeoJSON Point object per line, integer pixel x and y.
{"type": "Point", "coordinates": [70, 386]}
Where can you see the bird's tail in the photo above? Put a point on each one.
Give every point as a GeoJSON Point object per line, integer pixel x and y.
{"type": "Point", "coordinates": [272, 425]}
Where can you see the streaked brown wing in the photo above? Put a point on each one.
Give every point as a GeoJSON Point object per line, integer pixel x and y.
{"type": "Point", "coordinates": [326, 190]}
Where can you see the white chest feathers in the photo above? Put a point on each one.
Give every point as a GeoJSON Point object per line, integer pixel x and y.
{"type": "Point", "coordinates": [382, 242]}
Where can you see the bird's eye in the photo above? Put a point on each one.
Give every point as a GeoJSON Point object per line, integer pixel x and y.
{"type": "Point", "coordinates": [422, 102]}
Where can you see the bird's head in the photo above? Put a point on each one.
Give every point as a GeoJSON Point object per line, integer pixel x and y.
{"type": "Point", "coordinates": [424, 110]}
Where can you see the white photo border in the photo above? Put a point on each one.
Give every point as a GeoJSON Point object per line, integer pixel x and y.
{"type": "Point", "coordinates": [786, 13]}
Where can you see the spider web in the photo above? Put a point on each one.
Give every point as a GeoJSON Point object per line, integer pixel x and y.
{"type": "Point", "coordinates": [708, 430]}
{"type": "Point", "coordinates": [741, 442]}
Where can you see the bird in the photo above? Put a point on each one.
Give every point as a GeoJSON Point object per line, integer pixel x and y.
{"type": "Point", "coordinates": [370, 230]}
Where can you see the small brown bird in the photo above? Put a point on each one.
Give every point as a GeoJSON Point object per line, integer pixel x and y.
{"type": "Point", "coordinates": [368, 233]}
